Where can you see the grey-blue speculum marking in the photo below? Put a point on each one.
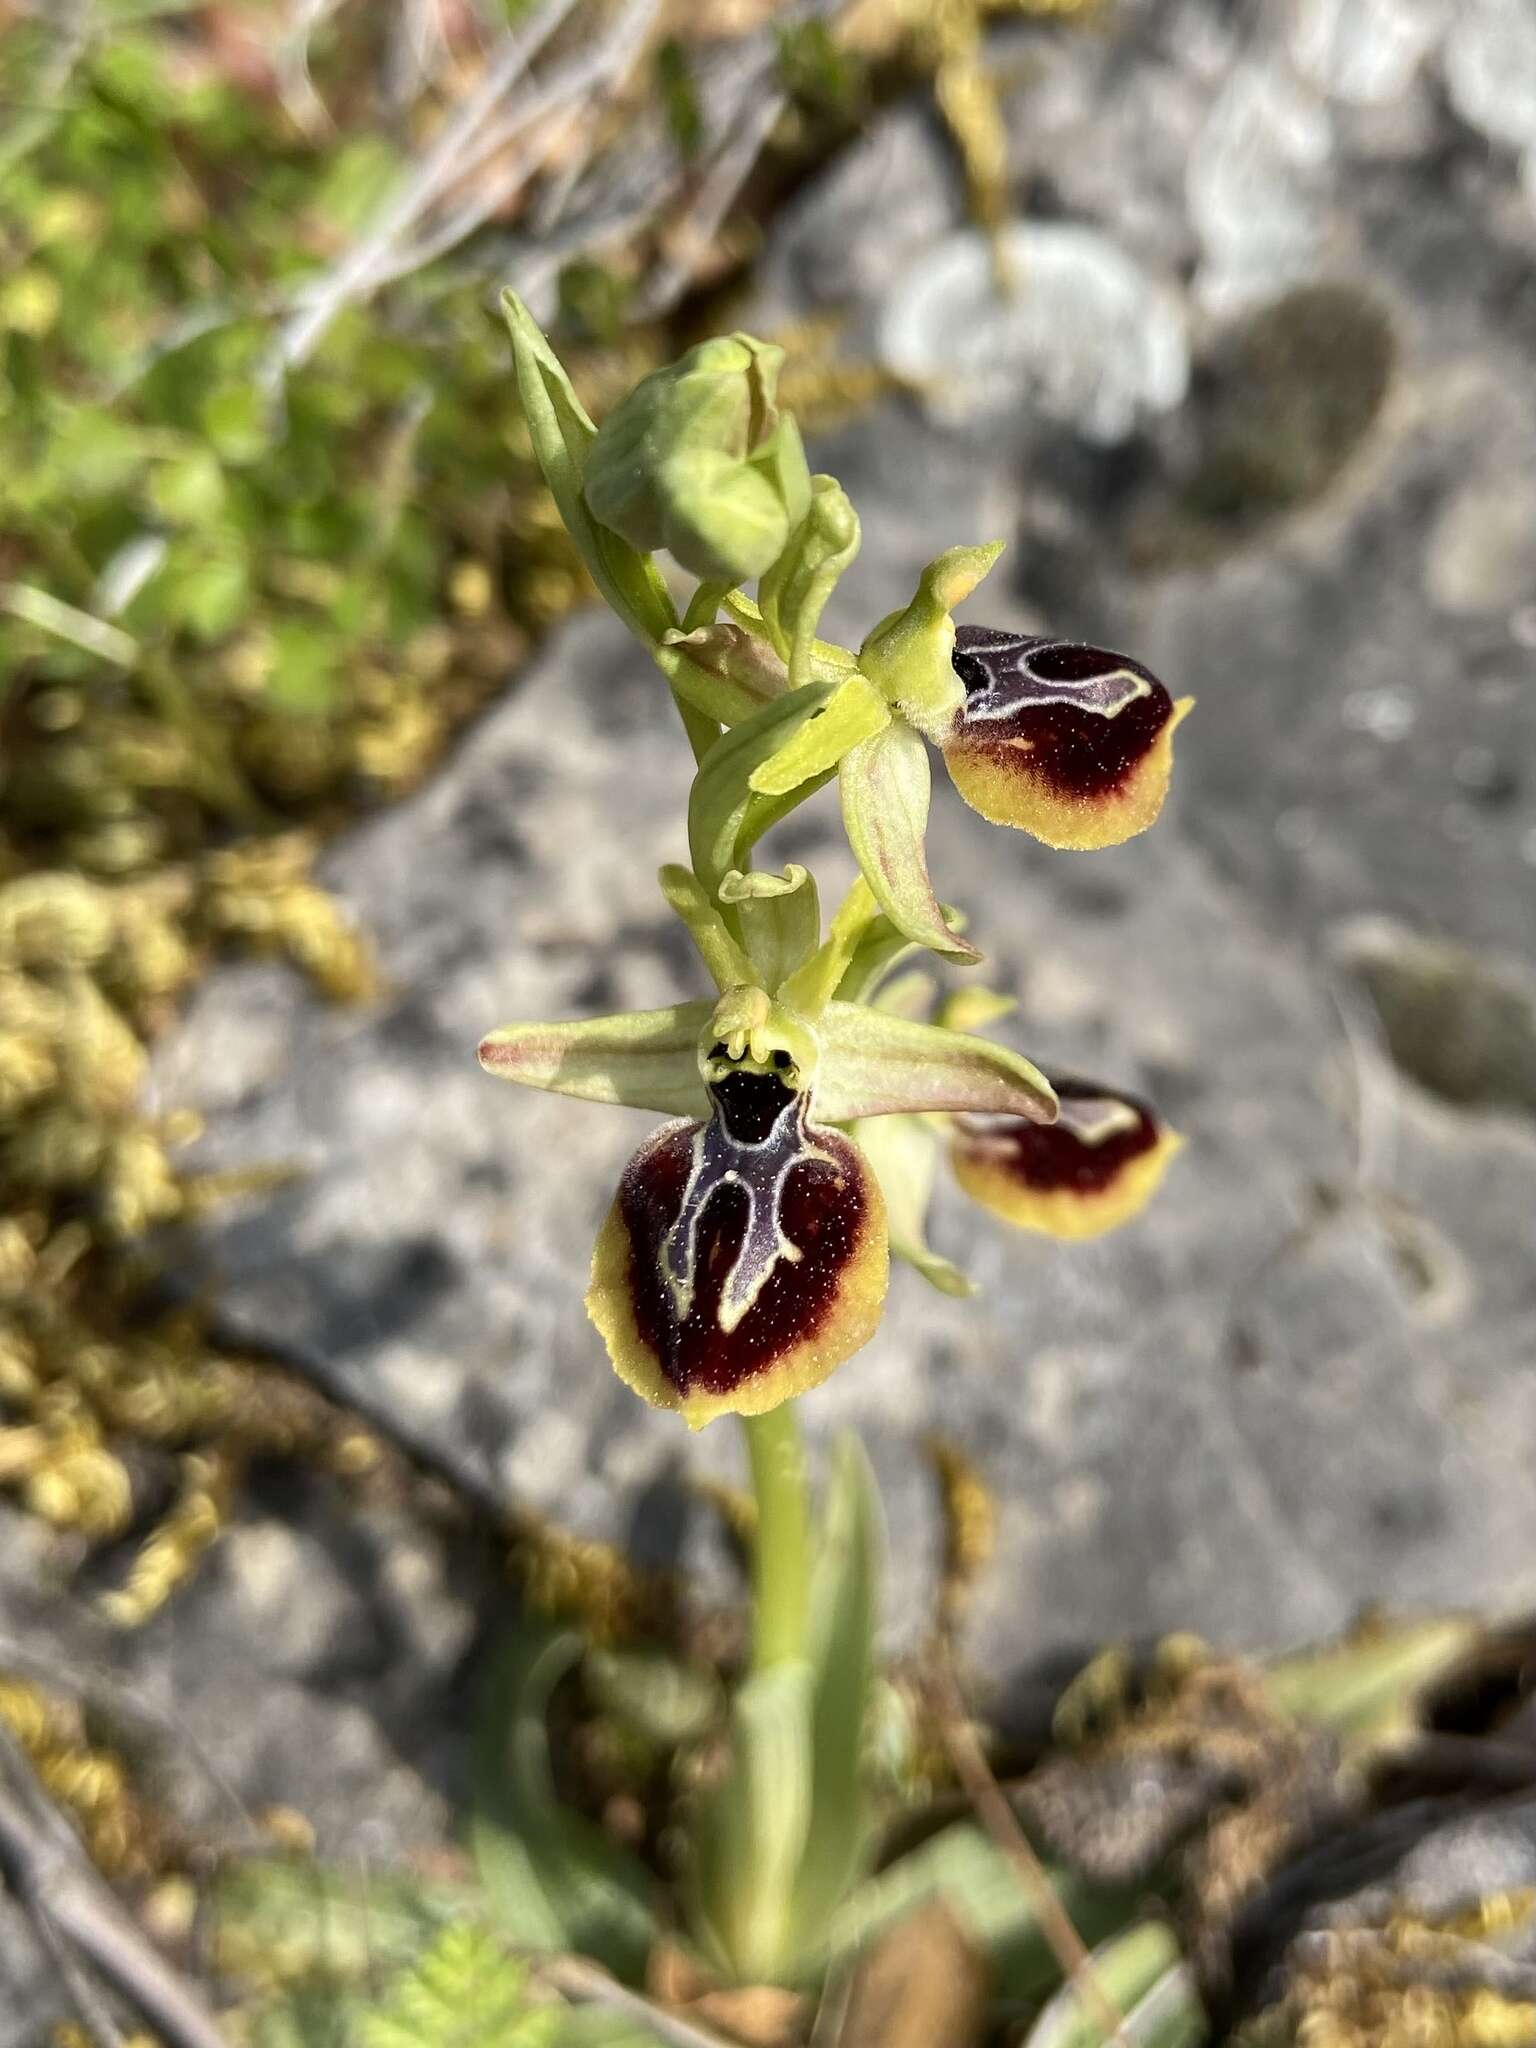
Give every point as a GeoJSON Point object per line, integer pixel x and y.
{"type": "Point", "coordinates": [758, 1133]}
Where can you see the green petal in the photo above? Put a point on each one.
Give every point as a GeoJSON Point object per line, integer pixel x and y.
{"type": "Point", "coordinates": [648, 1059]}
{"type": "Point", "coordinates": [811, 987]}
{"type": "Point", "coordinates": [886, 785]}
{"type": "Point", "coordinates": [726, 817]}
{"type": "Point", "coordinates": [794, 592]}
{"type": "Point", "coordinates": [904, 1151]}
{"type": "Point", "coordinates": [780, 920]}
{"type": "Point", "coordinates": [854, 712]}
{"type": "Point", "coordinates": [563, 437]}
{"type": "Point", "coordinates": [875, 1065]}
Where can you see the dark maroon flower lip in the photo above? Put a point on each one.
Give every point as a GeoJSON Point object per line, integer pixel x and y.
{"type": "Point", "coordinates": [743, 1258]}
{"type": "Point", "coordinates": [1067, 741]}
{"type": "Point", "coordinates": [1089, 716]}
{"type": "Point", "coordinates": [1094, 1168]}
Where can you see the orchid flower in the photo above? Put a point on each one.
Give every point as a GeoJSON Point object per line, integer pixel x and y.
{"type": "Point", "coordinates": [745, 1254]}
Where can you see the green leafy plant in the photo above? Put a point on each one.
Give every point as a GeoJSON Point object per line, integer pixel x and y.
{"type": "Point", "coordinates": [746, 1252]}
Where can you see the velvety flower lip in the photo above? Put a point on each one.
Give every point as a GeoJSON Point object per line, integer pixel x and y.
{"type": "Point", "coordinates": [1094, 1168]}
{"type": "Point", "coordinates": [1069, 742]}
{"type": "Point", "coordinates": [743, 1258]}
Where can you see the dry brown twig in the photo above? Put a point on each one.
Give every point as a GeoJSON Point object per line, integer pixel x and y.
{"type": "Point", "coordinates": [992, 1808]}
{"type": "Point", "coordinates": [78, 1915]}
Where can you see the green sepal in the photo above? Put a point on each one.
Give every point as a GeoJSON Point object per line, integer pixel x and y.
{"type": "Point", "coordinates": [794, 592]}
{"type": "Point", "coordinates": [726, 817]}
{"type": "Point", "coordinates": [647, 1059]}
{"type": "Point", "coordinates": [828, 663]}
{"type": "Point", "coordinates": [875, 1065]}
{"type": "Point", "coordinates": [749, 1831]}
{"type": "Point", "coordinates": [844, 1618]}
{"type": "Point", "coordinates": [697, 460]}
{"type": "Point", "coordinates": [563, 437]}
{"type": "Point", "coordinates": [904, 1152]}
{"type": "Point", "coordinates": [886, 786]}
{"type": "Point", "coordinates": [854, 712]}
{"type": "Point", "coordinates": [728, 965]}
{"type": "Point", "coordinates": [780, 919]}
{"type": "Point", "coordinates": [908, 655]}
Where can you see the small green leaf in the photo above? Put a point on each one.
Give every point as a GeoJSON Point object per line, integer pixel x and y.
{"type": "Point", "coordinates": [904, 1151]}
{"type": "Point", "coordinates": [886, 785]}
{"type": "Point", "coordinates": [853, 712]}
{"type": "Point", "coordinates": [563, 437]}
{"type": "Point", "coordinates": [966, 1869]}
{"type": "Point", "coordinates": [553, 1880]}
{"type": "Point", "coordinates": [780, 920]}
{"type": "Point", "coordinates": [648, 1059]}
{"type": "Point", "coordinates": [749, 1832]}
{"type": "Point", "coordinates": [873, 1064]}
{"type": "Point", "coordinates": [189, 489]}
{"type": "Point", "coordinates": [793, 594]}
{"type": "Point", "coordinates": [1370, 1688]}
{"type": "Point", "coordinates": [237, 419]}
{"type": "Point", "coordinates": [1143, 1975]}
{"type": "Point", "coordinates": [465, 1992]}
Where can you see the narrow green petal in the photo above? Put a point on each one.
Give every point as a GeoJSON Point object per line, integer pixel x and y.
{"type": "Point", "coordinates": [563, 435]}
{"type": "Point", "coordinates": [886, 785]}
{"type": "Point", "coordinates": [648, 1059]}
{"type": "Point", "coordinates": [875, 1065]}
{"type": "Point", "coordinates": [728, 965]}
{"type": "Point", "coordinates": [726, 816]}
{"type": "Point", "coordinates": [854, 712]}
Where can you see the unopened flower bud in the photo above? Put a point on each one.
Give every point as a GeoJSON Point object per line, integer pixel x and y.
{"type": "Point", "coordinates": [698, 460]}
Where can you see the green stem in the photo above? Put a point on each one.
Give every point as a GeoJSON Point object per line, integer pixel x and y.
{"type": "Point", "coordinates": [781, 1552]}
